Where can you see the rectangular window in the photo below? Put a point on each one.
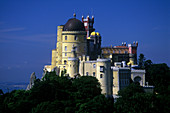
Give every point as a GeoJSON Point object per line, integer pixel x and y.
{"type": "Point", "coordinates": [101, 68]}
{"type": "Point", "coordinates": [87, 73]}
{"type": "Point", "coordinates": [126, 52]}
{"type": "Point", "coordinates": [75, 38]}
{"type": "Point", "coordinates": [65, 48]}
{"type": "Point", "coordinates": [65, 37]}
{"type": "Point", "coordinates": [94, 65]}
{"type": "Point", "coordinates": [65, 54]}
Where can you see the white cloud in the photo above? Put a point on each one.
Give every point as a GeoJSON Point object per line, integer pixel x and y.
{"type": "Point", "coordinates": [11, 29]}
{"type": "Point", "coordinates": [155, 28]}
{"type": "Point", "coordinates": [35, 38]}
{"type": "Point", "coordinates": [9, 68]}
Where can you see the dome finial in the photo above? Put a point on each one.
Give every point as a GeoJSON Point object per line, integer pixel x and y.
{"type": "Point", "coordinates": [74, 15]}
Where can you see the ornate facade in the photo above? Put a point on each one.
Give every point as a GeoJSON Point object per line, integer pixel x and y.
{"type": "Point", "coordinates": [78, 50]}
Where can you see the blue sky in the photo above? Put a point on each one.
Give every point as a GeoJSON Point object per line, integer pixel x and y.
{"type": "Point", "coordinates": [28, 30]}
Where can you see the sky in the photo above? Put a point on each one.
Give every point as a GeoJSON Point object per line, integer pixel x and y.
{"type": "Point", "coordinates": [28, 30]}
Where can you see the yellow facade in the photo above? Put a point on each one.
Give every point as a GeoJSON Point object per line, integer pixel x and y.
{"type": "Point", "coordinates": [54, 58]}
{"type": "Point", "coordinates": [65, 41]}
{"type": "Point", "coordinates": [71, 54]}
{"type": "Point", "coordinates": [115, 81]}
{"type": "Point", "coordinates": [72, 68]}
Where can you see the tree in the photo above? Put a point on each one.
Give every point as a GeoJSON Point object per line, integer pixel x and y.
{"type": "Point", "coordinates": [86, 87]}
{"type": "Point", "coordinates": [141, 61]}
{"type": "Point", "coordinates": [1, 92]}
{"type": "Point", "coordinates": [99, 104]}
{"type": "Point", "coordinates": [159, 76]}
{"type": "Point", "coordinates": [133, 99]}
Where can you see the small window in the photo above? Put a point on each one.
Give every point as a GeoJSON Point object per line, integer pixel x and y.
{"type": "Point", "coordinates": [126, 52]}
{"type": "Point", "coordinates": [64, 67]}
{"type": "Point", "coordinates": [75, 38]}
{"type": "Point", "coordinates": [101, 75]}
{"type": "Point", "coordinates": [101, 68]}
{"type": "Point", "coordinates": [113, 51]}
{"type": "Point", "coordinates": [87, 73]}
{"type": "Point", "coordinates": [94, 74]}
{"type": "Point", "coordinates": [119, 51]}
{"type": "Point", "coordinates": [65, 54]}
{"type": "Point", "coordinates": [94, 65]}
{"type": "Point", "coordinates": [65, 37]}
{"type": "Point", "coordinates": [65, 62]}
{"type": "Point", "coordinates": [85, 24]}
{"type": "Point", "coordinates": [65, 48]}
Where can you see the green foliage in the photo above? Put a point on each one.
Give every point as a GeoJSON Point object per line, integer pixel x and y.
{"type": "Point", "coordinates": [1, 92]}
{"type": "Point", "coordinates": [133, 99]}
{"type": "Point", "coordinates": [63, 94]}
{"type": "Point", "coordinates": [86, 85]}
{"type": "Point", "coordinates": [132, 89]}
{"type": "Point", "coordinates": [53, 94]}
{"type": "Point", "coordinates": [159, 75]}
{"type": "Point", "coordinates": [99, 104]}
{"type": "Point", "coordinates": [141, 61]}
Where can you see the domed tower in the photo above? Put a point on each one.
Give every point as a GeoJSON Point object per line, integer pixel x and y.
{"type": "Point", "coordinates": [73, 34]}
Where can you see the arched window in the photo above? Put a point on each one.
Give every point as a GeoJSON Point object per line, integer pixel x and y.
{"type": "Point", "coordinates": [87, 73]}
{"type": "Point", "coordinates": [94, 74]}
{"type": "Point", "coordinates": [137, 79]}
{"type": "Point", "coordinates": [65, 37]}
{"type": "Point", "coordinates": [65, 62]}
{"type": "Point", "coordinates": [101, 75]}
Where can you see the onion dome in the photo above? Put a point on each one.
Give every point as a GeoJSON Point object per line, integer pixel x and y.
{"type": "Point", "coordinates": [95, 33]}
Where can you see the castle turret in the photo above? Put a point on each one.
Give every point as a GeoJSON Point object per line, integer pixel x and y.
{"type": "Point", "coordinates": [104, 76]}
{"type": "Point", "coordinates": [72, 68]}
{"type": "Point", "coordinates": [88, 23]}
{"type": "Point", "coordinates": [133, 53]}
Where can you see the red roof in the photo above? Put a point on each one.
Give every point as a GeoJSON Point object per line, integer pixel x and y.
{"type": "Point", "coordinates": [120, 47]}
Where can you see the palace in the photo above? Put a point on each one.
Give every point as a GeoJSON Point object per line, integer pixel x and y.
{"type": "Point", "coordinates": [78, 52]}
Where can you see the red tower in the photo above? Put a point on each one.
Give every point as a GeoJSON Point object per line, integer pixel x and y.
{"type": "Point", "coordinates": [88, 24]}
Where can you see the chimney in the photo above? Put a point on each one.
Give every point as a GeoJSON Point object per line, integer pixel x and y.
{"type": "Point", "coordinates": [124, 43]}
{"type": "Point", "coordinates": [137, 43]}
{"type": "Point", "coordinates": [82, 18]}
